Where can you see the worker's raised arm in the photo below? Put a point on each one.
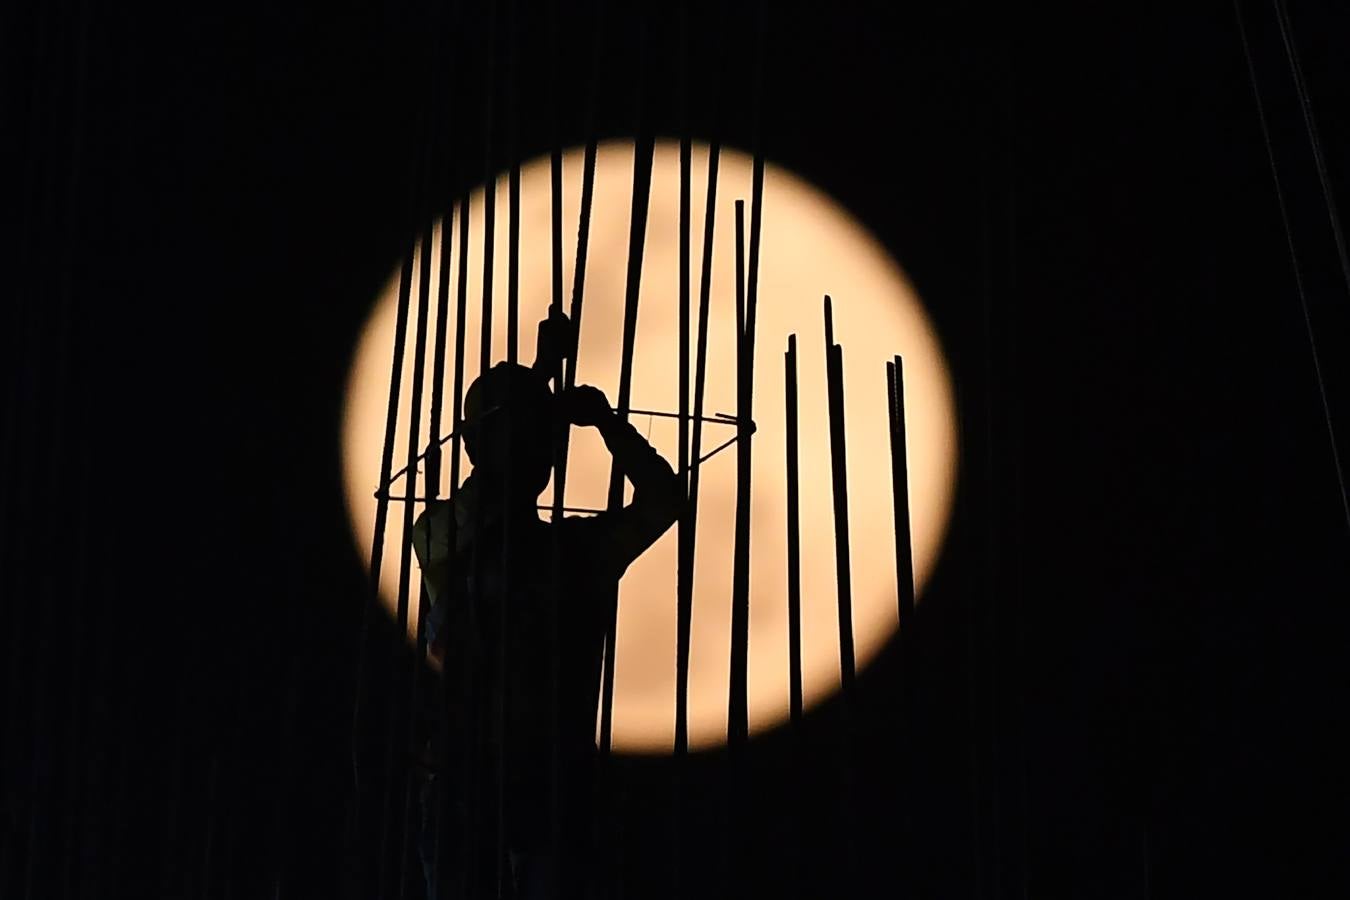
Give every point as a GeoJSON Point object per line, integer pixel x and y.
{"type": "Point", "coordinates": [658, 493]}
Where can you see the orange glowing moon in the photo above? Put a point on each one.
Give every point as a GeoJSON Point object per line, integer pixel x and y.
{"type": "Point", "coordinates": [810, 246]}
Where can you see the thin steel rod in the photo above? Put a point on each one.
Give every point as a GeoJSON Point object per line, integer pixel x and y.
{"type": "Point", "coordinates": [1327, 418]}
{"type": "Point", "coordinates": [433, 482]}
{"type": "Point", "coordinates": [513, 266]}
{"type": "Point", "coordinates": [433, 470]}
{"type": "Point", "coordinates": [443, 859]}
{"type": "Point", "coordinates": [587, 199]}
{"type": "Point", "coordinates": [381, 522]}
{"type": "Point", "coordinates": [475, 752]}
{"type": "Point", "coordinates": [440, 790]}
{"type": "Point", "coordinates": [503, 661]}
{"type": "Point", "coordinates": [834, 357]}
{"type": "Point", "coordinates": [838, 470]}
{"type": "Point", "coordinates": [583, 248]}
{"type": "Point", "coordinates": [566, 378]}
{"type": "Point", "coordinates": [489, 194]}
{"type": "Point", "coordinates": [391, 418]}
{"type": "Point", "coordinates": [643, 151]}
{"type": "Point", "coordinates": [794, 550]}
{"type": "Point", "coordinates": [399, 692]}
{"type": "Point", "coordinates": [477, 722]}
{"type": "Point", "coordinates": [555, 168]}
{"type": "Point", "coordinates": [212, 814]}
{"type": "Point", "coordinates": [685, 597]}
{"type": "Point", "coordinates": [558, 377]}
{"type": "Point", "coordinates": [904, 549]}
{"type": "Point", "coordinates": [686, 164]}
{"type": "Point", "coordinates": [748, 278]}
{"type": "Point", "coordinates": [1314, 137]}
{"type": "Point", "coordinates": [512, 190]}
{"type": "Point", "coordinates": [461, 328]}
{"type": "Point", "coordinates": [391, 836]}
{"type": "Point", "coordinates": [683, 535]}
{"type": "Point", "coordinates": [738, 717]}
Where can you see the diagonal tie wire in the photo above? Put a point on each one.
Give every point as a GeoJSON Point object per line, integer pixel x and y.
{"type": "Point", "coordinates": [1289, 236]}
{"type": "Point", "coordinates": [385, 495]}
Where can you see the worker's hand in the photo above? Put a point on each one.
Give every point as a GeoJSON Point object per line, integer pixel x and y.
{"type": "Point", "coordinates": [556, 342]}
{"type": "Point", "coordinates": [585, 405]}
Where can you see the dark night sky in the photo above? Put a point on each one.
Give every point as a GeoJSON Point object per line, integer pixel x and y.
{"type": "Point", "coordinates": [1127, 679]}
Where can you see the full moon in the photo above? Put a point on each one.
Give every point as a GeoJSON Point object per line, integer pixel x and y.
{"type": "Point", "coordinates": [811, 246]}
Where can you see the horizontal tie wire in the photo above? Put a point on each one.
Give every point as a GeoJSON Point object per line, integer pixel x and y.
{"type": "Point", "coordinates": [384, 495]}
{"type": "Point", "coordinates": [715, 418]}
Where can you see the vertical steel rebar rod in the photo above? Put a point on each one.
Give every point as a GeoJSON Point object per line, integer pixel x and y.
{"type": "Point", "coordinates": [567, 378]}
{"type": "Point", "coordinates": [509, 412]}
{"type": "Point", "coordinates": [613, 798]}
{"type": "Point", "coordinates": [503, 661]}
{"type": "Point", "coordinates": [794, 844]}
{"type": "Point", "coordinates": [587, 201]}
{"type": "Point", "coordinates": [685, 599]}
{"type": "Point", "coordinates": [734, 844]}
{"type": "Point", "coordinates": [484, 364]}
{"type": "Point", "coordinates": [381, 524]}
{"type": "Point", "coordinates": [683, 536]}
{"type": "Point", "coordinates": [209, 843]}
{"type": "Point", "coordinates": [433, 489]}
{"type": "Point", "coordinates": [834, 361]}
{"type": "Point", "coordinates": [904, 549]}
{"type": "Point", "coordinates": [747, 287]}
{"type": "Point", "coordinates": [738, 678]}
{"type": "Point", "coordinates": [643, 151]}
{"type": "Point", "coordinates": [392, 836]}
{"type": "Point", "coordinates": [410, 580]}
{"type": "Point", "coordinates": [456, 454]}
{"type": "Point", "coordinates": [435, 418]}
{"type": "Point", "coordinates": [557, 426]}
{"type": "Point", "coordinates": [794, 547]}
{"type": "Point", "coordinates": [583, 247]}
{"type": "Point", "coordinates": [477, 720]}
{"type": "Point", "coordinates": [512, 192]}
{"type": "Point", "coordinates": [834, 358]}
{"type": "Point", "coordinates": [489, 196]}
{"type": "Point", "coordinates": [461, 329]}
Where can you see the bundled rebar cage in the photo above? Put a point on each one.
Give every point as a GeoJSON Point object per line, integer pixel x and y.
{"type": "Point", "coordinates": [464, 833]}
{"type": "Point", "coordinates": [189, 709]}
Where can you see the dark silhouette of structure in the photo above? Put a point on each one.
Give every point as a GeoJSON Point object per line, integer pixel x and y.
{"type": "Point", "coordinates": [523, 682]}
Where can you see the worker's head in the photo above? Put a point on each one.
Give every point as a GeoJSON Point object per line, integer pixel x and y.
{"type": "Point", "coordinates": [508, 428]}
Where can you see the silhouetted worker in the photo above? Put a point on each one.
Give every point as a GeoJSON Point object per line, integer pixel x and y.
{"type": "Point", "coordinates": [488, 546]}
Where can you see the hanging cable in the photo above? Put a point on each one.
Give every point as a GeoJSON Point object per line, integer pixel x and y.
{"type": "Point", "coordinates": [1314, 138]}
{"type": "Point", "coordinates": [1293, 258]}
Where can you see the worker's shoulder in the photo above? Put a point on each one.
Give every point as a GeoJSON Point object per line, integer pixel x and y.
{"type": "Point", "coordinates": [439, 513]}
{"type": "Point", "coordinates": [434, 528]}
